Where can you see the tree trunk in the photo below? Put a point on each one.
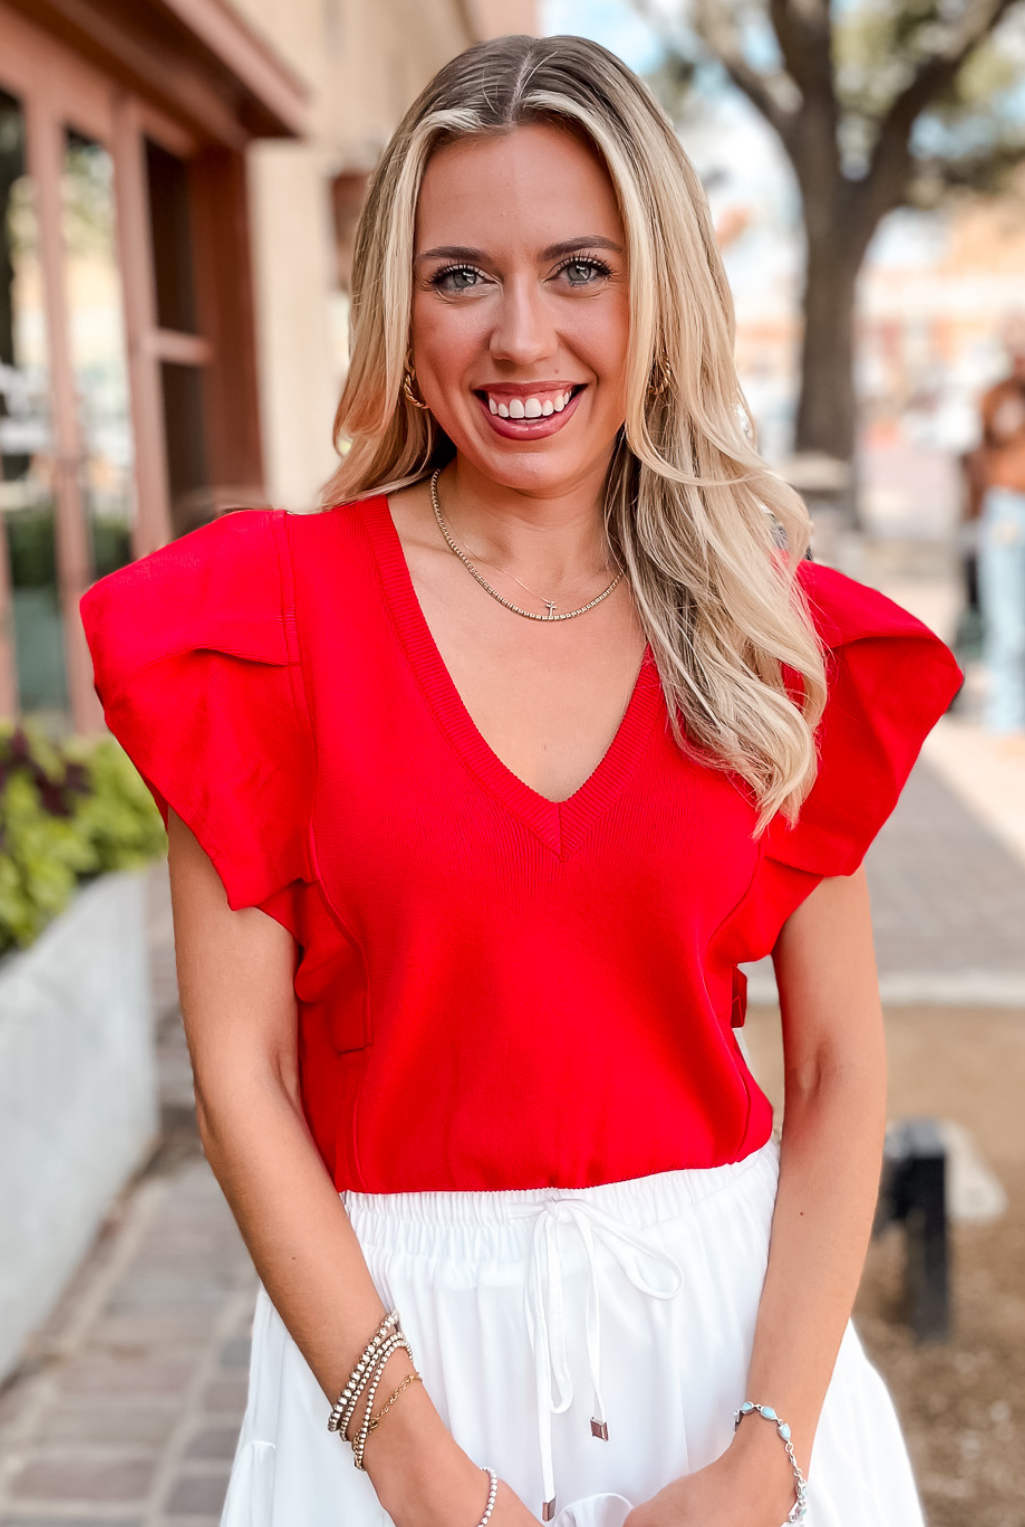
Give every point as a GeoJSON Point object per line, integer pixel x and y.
{"type": "Point", "coordinates": [826, 406]}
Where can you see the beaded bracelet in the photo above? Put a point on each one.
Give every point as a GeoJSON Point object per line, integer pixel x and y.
{"type": "Point", "coordinates": [491, 1494]}
{"type": "Point", "coordinates": [334, 1420]}
{"type": "Point", "coordinates": [800, 1508]}
{"type": "Point", "coordinates": [372, 1376]}
{"type": "Point", "coordinates": [393, 1342]}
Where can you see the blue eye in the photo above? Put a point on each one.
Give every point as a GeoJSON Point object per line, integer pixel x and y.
{"type": "Point", "coordinates": [441, 276]}
{"type": "Point", "coordinates": [591, 266]}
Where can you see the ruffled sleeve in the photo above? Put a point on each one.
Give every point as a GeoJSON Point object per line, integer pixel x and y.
{"type": "Point", "coordinates": [197, 668]}
{"type": "Point", "coordinates": [889, 679]}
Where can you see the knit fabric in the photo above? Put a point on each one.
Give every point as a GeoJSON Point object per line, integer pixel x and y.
{"type": "Point", "coordinates": [494, 990]}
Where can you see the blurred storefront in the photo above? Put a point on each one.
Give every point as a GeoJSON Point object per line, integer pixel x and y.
{"type": "Point", "coordinates": [179, 181]}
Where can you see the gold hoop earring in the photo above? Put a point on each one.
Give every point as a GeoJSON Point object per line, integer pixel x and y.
{"type": "Point", "coordinates": [665, 375]}
{"type": "Point", "coordinates": [408, 380]}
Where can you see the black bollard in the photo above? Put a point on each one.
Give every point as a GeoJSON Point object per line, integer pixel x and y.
{"type": "Point", "coordinates": [913, 1192]}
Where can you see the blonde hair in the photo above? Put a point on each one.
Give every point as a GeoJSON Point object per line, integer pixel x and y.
{"type": "Point", "coordinates": [692, 513]}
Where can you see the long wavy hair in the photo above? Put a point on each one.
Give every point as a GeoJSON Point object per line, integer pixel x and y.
{"type": "Point", "coordinates": [710, 539]}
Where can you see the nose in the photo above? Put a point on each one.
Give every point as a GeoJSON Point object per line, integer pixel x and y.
{"type": "Point", "coordinates": [524, 332]}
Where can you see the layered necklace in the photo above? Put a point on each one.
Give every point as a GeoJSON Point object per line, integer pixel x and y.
{"type": "Point", "coordinates": [550, 605]}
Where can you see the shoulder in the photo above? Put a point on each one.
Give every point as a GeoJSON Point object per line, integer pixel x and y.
{"type": "Point", "coordinates": [1000, 392]}
{"type": "Point", "coordinates": [224, 586]}
{"type": "Point", "coordinates": [889, 680]}
{"type": "Point", "coordinates": [195, 663]}
{"type": "Point", "coordinates": [233, 546]}
{"type": "Point", "coordinates": [845, 611]}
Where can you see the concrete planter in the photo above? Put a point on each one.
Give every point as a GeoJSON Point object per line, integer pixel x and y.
{"type": "Point", "coordinates": [78, 1093]}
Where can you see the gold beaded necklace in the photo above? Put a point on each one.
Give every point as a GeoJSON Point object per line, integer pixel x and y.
{"type": "Point", "coordinates": [527, 614]}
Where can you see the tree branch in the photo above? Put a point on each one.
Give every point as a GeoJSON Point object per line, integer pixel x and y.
{"type": "Point", "coordinates": [803, 30]}
{"type": "Point", "coordinates": [985, 173]}
{"type": "Point", "coordinates": [892, 168]}
{"type": "Point", "coordinates": [716, 26]}
{"type": "Point", "coordinates": [935, 73]}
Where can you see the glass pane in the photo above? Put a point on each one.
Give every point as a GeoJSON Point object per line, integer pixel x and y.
{"type": "Point", "coordinates": [192, 502]}
{"type": "Point", "coordinates": [26, 441]}
{"type": "Point", "coordinates": [96, 339]}
{"type": "Point", "coordinates": [168, 184]}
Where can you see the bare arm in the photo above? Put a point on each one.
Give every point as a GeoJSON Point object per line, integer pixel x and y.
{"type": "Point", "coordinates": [235, 973]}
{"type": "Point", "coordinates": [829, 1178]}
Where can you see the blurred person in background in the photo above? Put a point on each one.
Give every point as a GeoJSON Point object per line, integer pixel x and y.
{"type": "Point", "coordinates": [972, 483]}
{"type": "Point", "coordinates": [1002, 540]}
{"type": "Point", "coordinates": [481, 783]}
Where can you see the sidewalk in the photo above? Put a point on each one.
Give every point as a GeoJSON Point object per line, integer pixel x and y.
{"type": "Point", "coordinates": [127, 1407]}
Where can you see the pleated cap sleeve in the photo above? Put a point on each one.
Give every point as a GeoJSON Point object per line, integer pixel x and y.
{"type": "Point", "coordinates": [890, 679]}
{"type": "Point", "coordinates": [196, 665]}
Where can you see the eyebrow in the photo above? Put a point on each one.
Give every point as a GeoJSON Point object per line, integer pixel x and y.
{"type": "Point", "coordinates": [569, 246]}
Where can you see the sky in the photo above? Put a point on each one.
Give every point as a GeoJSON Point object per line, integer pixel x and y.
{"type": "Point", "coordinates": [612, 22]}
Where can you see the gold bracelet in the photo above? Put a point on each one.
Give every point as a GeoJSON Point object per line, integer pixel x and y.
{"type": "Point", "coordinates": [390, 1401]}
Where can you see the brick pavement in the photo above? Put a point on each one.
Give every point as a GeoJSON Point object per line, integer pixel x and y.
{"type": "Point", "coordinates": [127, 1408]}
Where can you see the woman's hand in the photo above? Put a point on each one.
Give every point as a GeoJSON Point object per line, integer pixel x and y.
{"type": "Point", "coordinates": [751, 1485]}
{"type": "Point", "coordinates": [423, 1477]}
{"type": "Point", "coordinates": [462, 1503]}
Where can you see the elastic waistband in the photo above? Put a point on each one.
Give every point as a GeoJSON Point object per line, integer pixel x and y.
{"type": "Point", "coordinates": [635, 1201]}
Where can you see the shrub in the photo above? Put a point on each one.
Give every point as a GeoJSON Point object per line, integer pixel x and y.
{"type": "Point", "coordinates": [69, 812]}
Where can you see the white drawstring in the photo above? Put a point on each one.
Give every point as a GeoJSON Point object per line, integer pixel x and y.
{"type": "Point", "coordinates": [545, 1317]}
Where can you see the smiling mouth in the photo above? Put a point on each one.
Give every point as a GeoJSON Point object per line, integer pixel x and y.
{"type": "Point", "coordinates": [528, 409]}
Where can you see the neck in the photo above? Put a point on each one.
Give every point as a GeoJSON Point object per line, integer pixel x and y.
{"type": "Point", "coordinates": [555, 536]}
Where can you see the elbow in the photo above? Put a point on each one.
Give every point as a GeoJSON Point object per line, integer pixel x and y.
{"type": "Point", "coordinates": [838, 1080]}
{"type": "Point", "coordinates": [229, 1107]}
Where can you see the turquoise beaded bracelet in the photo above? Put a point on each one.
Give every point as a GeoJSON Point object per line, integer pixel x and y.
{"type": "Point", "coordinates": [800, 1507]}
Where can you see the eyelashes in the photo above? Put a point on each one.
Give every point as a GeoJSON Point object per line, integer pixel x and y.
{"type": "Point", "coordinates": [583, 262]}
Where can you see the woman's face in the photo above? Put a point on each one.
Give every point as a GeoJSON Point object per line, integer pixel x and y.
{"type": "Point", "coordinates": [520, 306]}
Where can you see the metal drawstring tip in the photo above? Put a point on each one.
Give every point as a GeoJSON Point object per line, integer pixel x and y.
{"type": "Point", "coordinates": [599, 1429]}
{"type": "Point", "coordinates": [548, 1509]}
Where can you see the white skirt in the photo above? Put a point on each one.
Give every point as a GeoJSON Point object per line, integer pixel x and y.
{"type": "Point", "coordinates": [532, 1312]}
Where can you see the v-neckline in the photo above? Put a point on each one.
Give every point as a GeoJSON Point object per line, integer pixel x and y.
{"type": "Point", "coordinates": [562, 825]}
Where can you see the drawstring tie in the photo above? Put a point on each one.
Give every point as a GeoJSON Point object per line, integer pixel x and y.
{"type": "Point", "coordinates": [544, 1305]}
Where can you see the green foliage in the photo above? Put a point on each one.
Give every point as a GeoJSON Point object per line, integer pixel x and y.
{"type": "Point", "coordinates": [68, 813]}
{"type": "Point", "coordinates": [970, 134]}
{"type": "Point", "coordinates": [964, 60]}
{"type": "Point", "coordinates": [32, 552]}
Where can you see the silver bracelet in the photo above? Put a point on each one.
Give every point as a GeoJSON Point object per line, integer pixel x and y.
{"type": "Point", "coordinates": [800, 1507]}
{"type": "Point", "coordinates": [391, 1345]}
{"type": "Point", "coordinates": [334, 1420]}
{"type": "Point", "coordinates": [374, 1369]}
{"type": "Point", "coordinates": [491, 1494]}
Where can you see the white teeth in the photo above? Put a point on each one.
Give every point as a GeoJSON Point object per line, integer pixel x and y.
{"type": "Point", "coordinates": [530, 408]}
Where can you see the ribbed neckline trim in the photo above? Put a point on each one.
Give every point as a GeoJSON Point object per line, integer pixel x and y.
{"type": "Point", "coordinates": [562, 825]}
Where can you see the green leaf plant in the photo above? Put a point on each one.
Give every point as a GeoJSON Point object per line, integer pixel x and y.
{"type": "Point", "coordinates": [70, 811]}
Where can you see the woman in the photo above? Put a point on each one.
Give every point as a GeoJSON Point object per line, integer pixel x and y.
{"type": "Point", "coordinates": [459, 902]}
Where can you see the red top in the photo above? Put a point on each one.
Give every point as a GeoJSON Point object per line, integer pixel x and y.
{"type": "Point", "coordinates": [494, 990]}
